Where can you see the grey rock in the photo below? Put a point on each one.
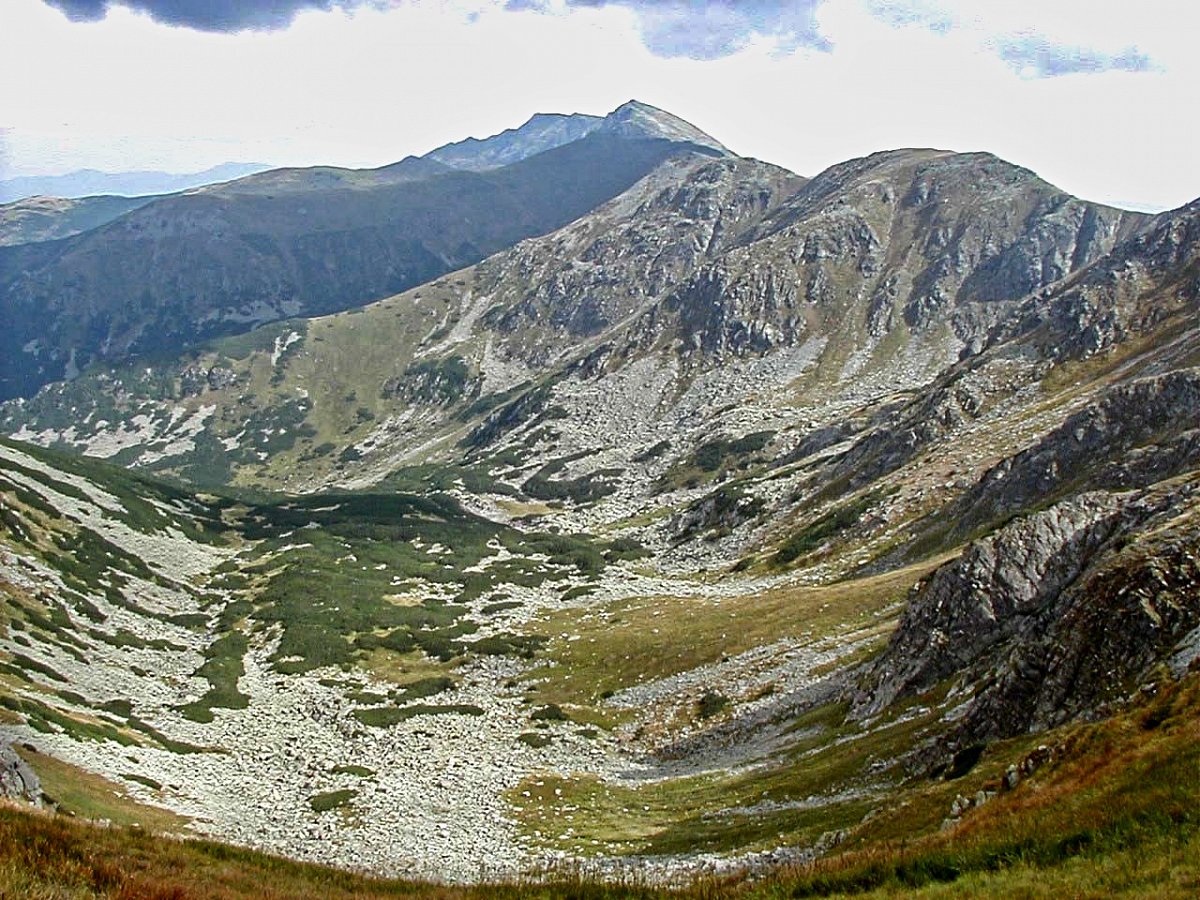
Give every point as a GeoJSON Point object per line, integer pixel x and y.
{"type": "Point", "coordinates": [1053, 616]}
{"type": "Point", "coordinates": [1132, 436]}
{"type": "Point", "coordinates": [17, 780]}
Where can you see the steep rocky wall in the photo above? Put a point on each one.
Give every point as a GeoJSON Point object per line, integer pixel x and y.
{"type": "Point", "coordinates": [903, 242]}
{"type": "Point", "coordinates": [1054, 615]}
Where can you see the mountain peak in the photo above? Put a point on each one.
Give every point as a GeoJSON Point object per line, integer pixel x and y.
{"type": "Point", "coordinates": [543, 131]}
{"type": "Point", "coordinates": [638, 119]}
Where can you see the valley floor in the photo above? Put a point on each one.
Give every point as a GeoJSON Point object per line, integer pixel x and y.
{"type": "Point", "coordinates": [1113, 815]}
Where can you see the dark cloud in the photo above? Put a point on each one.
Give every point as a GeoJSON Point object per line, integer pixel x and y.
{"type": "Point", "coordinates": [1047, 59]}
{"type": "Point", "coordinates": [715, 28]}
{"type": "Point", "coordinates": [700, 29]}
{"type": "Point", "coordinates": [203, 15]}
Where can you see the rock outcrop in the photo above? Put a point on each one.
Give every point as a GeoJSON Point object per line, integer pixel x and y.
{"type": "Point", "coordinates": [1054, 615]}
{"type": "Point", "coordinates": [17, 780]}
{"type": "Point", "coordinates": [1134, 435]}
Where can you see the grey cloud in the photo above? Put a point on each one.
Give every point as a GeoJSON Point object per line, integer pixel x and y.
{"type": "Point", "coordinates": [1025, 52]}
{"type": "Point", "coordinates": [203, 15]}
{"type": "Point", "coordinates": [1047, 59]}
{"type": "Point", "coordinates": [716, 28]}
{"type": "Point", "coordinates": [700, 29]}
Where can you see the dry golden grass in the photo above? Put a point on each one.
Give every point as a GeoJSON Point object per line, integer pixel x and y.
{"type": "Point", "coordinates": [630, 641]}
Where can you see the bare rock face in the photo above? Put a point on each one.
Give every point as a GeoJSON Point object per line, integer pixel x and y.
{"type": "Point", "coordinates": [592, 275]}
{"type": "Point", "coordinates": [1052, 616]}
{"type": "Point", "coordinates": [1144, 281]}
{"type": "Point", "coordinates": [17, 780]}
{"type": "Point", "coordinates": [1136, 434]}
{"type": "Point", "coordinates": [908, 241]}
{"type": "Point", "coordinates": [989, 597]}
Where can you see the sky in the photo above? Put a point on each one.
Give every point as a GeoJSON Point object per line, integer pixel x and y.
{"type": "Point", "coordinates": [1097, 97]}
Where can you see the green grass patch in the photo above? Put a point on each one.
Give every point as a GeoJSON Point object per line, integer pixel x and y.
{"type": "Point", "coordinates": [387, 716]}
{"type": "Point", "coordinates": [714, 458]}
{"type": "Point", "coordinates": [422, 688]}
{"type": "Point", "coordinates": [710, 704]}
{"type": "Point", "coordinates": [222, 667]}
{"type": "Point", "coordinates": [142, 780]}
{"type": "Point", "coordinates": [331, 800]}
{"type": "Point", "coordinates": [812, 536]}
{"type": "Point", "coordinates": [42, 717]}
{"type": "Point", "coordinates": [356, 771]}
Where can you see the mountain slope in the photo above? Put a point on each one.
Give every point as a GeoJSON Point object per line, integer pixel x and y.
{"type": "Point", "coordinates": [38, 219]}
{"type": "Point", "coordinates": [663, 216]}
{"type": "Point", "coordinates": [237, 260]}
{"type": "Point", "coordinates": [741, 518]}
{"type": "Point", "coordinates": [290, 242]}
{"type": "Point", "coordinates": [838, 292]}
{"type": "Point", "coordinates": [1095, 809]}
{"type": "Point", "coordinates": [254, 666]}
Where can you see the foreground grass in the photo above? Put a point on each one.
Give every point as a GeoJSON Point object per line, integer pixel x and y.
{"type": "Point", "coordinates": [90, 796]}
{"type": "Point", "coordinates": [814, 786]}
{"type": "Point", "coordinates": [1117, 812]}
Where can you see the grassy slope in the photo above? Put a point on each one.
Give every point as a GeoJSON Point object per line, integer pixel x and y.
{"type": "Point", "coordinates": [92, 797]}
{"type": "Point", "coordinates": [1114, 812]}
{"type": "Point", "coordinates": [631, 641]}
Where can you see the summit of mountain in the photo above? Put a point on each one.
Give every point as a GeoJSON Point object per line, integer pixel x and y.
{"type": "Point", "coordinates": [637, 119]}
{"type": "Point", "coordinates": [290, 242]}
{"type": "Point", "coordinates": [543, 131]}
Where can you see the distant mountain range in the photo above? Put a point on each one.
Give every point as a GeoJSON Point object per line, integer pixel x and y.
{"type": "Point", "coordinates": [91, 182]}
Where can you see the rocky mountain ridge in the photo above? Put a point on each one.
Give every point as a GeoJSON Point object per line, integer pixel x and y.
{"type": "Point", "coordinates": [542, 132]}
{"type": "Point", "coordinates": [227, 257]}
{"type": "Point", "coordinates": [715, 515]}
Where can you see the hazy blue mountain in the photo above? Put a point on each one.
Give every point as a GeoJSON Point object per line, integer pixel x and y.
{"type": "Point", "coordinates": [91, 182]}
